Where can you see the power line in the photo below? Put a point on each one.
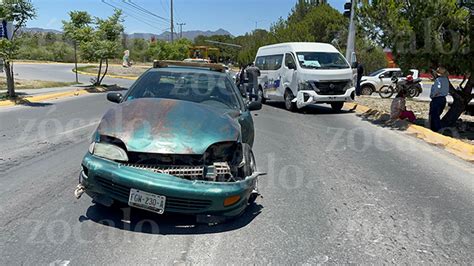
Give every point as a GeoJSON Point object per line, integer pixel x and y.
{"type": "Point", "coordinates": [141, 14]}
{"type": "Point", "coordinates": [163, 6]}
{"type": "Point", "coordinates": [133, 12]}
{"type": "Point", "coordinates": [144, 10]}
{"type": "Point", "coordinates": [132, 15]}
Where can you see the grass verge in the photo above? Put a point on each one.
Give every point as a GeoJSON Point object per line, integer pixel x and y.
{"type": "Point", "coordinates": [34, 84]}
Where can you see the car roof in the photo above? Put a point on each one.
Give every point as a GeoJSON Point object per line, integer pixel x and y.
{"type": "Point", "coordinates": [391, 69]}
{"type": "Point", "coordinates": [173, 63]}
{"type": "Point", "coordinates": [178, 69]}
{"type": "Point", "coordinates": [300, 46]}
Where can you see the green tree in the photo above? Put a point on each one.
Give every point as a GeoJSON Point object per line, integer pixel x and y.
{"type": "Point", "coordinates": [424, 35]}
{"type": "Point", "coordinates": [103, 43]}
{"type": "Point", "coordinates": [138, 49]}
{"type": "Point", "coordinates": [76, 30]}
{"type": "Point", "coordinates": [19, 12]}
{"type": "Point", "coordinates": [162, 50]}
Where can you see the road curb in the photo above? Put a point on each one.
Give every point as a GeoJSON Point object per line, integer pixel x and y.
{"type": "Point", "coordinates": [110, 76]}
{"type": "Point", "coordinates": [457, 147]}
{"type": "Point", "coordinates": [43, 97]}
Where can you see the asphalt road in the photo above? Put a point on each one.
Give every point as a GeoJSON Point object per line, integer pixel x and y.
{"type": "Point", "coordinates": [338, 190]}
{"type": "Point", "coordinates": [57, 72]}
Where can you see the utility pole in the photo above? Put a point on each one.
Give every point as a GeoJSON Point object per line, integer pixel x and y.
{"type": "Point", "coordinates": [181, 29]}
{"type": "Point", "coordinates": [352, 31]}
{"type": "Point", "coordinates": [172, 22]}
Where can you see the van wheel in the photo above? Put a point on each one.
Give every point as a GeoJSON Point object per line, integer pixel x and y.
{"type": "Point", "coordinates": [289, 105]}
{"type": "Point", "coordinates": [337, 106]}
{"type": "Point", "coordinates": [260, 97]}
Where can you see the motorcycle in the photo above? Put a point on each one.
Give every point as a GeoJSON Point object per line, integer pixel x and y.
{"type": "Point", "coordinates": [410, 85]}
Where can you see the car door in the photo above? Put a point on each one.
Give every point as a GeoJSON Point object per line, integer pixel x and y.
{"type": "Point", "coordinates": [289, 74]}
{"type": "Point", "coordinates": [385, 78]}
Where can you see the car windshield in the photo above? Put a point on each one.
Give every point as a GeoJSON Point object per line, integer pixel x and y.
{"type": "Point", "coordinates": [203, 87]}
{"type": "Point", "coordinates": [376, 73]}
{"type": "Point", "coordinates": [322, 60]}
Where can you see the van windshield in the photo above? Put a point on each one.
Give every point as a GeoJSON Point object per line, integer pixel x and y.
{"type": "Point", "coordinates": [322, 60]}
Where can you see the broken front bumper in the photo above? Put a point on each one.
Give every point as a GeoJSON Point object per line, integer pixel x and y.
{"type": "Point", "coordinates": [307, 97]}
{"type": "Point", "coordinates": [107, 181]}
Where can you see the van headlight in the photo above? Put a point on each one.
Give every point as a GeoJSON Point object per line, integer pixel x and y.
{"type": "Point", "coordinates": [108, 151]}
{"type": "Point", "coordinates": [349, 85]}
{"type": "Point", "coordinates": [307, 86]}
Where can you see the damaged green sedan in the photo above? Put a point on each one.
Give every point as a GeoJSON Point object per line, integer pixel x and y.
{"type": "Point", "coordinates": [179, 141]}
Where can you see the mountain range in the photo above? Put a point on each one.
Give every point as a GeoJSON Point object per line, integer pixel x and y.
{"type": "Point", "coordinates": [163, 36]}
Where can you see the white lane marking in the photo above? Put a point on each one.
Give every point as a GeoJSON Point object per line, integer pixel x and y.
{"type": "Point", "coordinates": [60, 263]}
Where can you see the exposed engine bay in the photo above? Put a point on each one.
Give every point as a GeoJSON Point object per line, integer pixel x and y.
{"type": "Point", "coordinates": [222, 162]}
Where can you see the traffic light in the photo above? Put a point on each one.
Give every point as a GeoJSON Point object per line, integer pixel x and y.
{"type": "Point", "coordinates": [347, 9]}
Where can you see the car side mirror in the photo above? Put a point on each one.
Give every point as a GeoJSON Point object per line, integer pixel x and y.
{"type": "Point", "coordinates": [114, 97]}
{"type": "Point", "coordinates": [381, 76]}
{"type": "Point", "coordinates": [254, 106]}
{"type": "Point", "coordinates": [291, 66]}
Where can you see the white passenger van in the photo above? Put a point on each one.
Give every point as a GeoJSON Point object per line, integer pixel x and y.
{"type": "Point", "coordinates": [304, 73]}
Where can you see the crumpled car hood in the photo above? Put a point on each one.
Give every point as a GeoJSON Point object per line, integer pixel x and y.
{"type": "Point", "coordinates": [168, 126]}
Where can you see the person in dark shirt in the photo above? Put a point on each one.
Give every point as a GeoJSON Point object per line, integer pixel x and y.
{"type": "Point", "coordinates": [253, 72]}
{"type": "Point", "coordinates": [439, 91]}
{"type": "Point", "coordinates": [360, 73]}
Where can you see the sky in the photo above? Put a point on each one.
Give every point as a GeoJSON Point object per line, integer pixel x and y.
{"type": "Point", "coordinates": [237, 17]}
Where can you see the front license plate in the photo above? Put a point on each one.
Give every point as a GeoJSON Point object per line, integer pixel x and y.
{"type": "Point", "coordinates": [147, 201]}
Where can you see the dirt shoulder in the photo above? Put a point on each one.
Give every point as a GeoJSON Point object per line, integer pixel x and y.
{"type": "Point", "coordinates": [464, 129]}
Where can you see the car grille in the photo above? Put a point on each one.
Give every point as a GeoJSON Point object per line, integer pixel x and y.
{"type": "Point", "coordinates": [191, 172]}
{"type": "Point", "coordinates": [216, 171]}
{"type": "Point", "coordinates": [175, 204]}
{"type": "Point", "coordinates": [331, 87]}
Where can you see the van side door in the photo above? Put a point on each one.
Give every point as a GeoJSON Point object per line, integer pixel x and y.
{"type": "Point", "coordinates": [271, 76]}
{"type": "Point", "coordinates": [289, 78]}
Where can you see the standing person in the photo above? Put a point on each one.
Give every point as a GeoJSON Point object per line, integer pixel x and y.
{"type": "Point", "coordinates": [360, 73]}
{"type": "Point", "coordinates": [439, 91]}
{"type": "Point", "coordinates": [253, 72]}
{"type": "Point", "coordinates": [398, 109]}
{"type": "Point", "coordinates": [241, 80]}
{"type": "Point", "coordinates": [126, 59]}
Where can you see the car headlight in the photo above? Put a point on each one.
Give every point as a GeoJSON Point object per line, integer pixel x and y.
{"type": "Point", "coordinates": [108, 151]}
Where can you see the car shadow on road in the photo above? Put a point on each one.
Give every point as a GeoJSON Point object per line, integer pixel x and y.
{"type": "Point", "coordinates": [136, 220]}
{"type": "Point", "coordinates": [314, 109]}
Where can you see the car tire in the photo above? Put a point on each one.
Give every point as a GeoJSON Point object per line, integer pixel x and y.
{"type": "Point", "coordinates": [366, 90]}
{"type": "Point", "coordinates": [289, 105]}
{"type": "Point", "coordinates": [337, 106]}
